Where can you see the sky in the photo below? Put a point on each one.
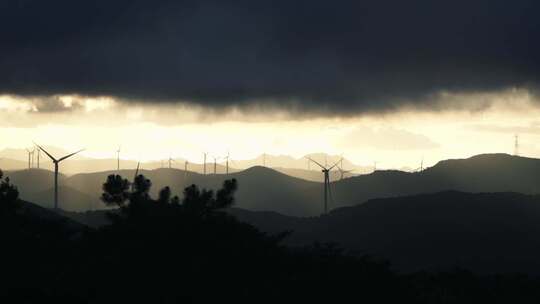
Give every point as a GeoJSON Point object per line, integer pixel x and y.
{"type": "Point", "coordinates": [388, 81]}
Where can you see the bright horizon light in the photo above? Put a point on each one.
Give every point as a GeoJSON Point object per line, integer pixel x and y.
{"type": "Point", "coordinates": [155, 132]}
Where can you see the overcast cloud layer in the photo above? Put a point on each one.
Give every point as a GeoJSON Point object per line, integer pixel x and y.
{"type": "Point", "coordinates": [335, 56]}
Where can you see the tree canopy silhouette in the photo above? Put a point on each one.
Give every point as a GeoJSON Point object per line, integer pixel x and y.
{"type": "Point", "coordinates": [115, 191]}
{"type": "Point", "coordinates": [134, 198]}
{"type": "Point", "coordinates": [9, 195]}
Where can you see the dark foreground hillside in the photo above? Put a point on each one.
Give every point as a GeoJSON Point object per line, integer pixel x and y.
{"type": "Point", "coordinates": [485, 232]}
{"type": "Point", "coordinates": [185, 250]}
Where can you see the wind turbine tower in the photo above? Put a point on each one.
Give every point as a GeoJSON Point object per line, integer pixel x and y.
{"type": "Point", "coordinates": [118, 159]}
{"type": "Point", "coordinates": [326, 171]}
{"type": "Point", "coordinates": [516, 145]}
{"type": "Point", "coordinates": [204, 163]}
{"type": "Point", "coordinates": [56, 162]}
{"type": "Point", "coordinates": [227, 163]}
{"type": "Point", "coordinates": [29, 158]}
{"type": "Point", "coordinates": [185, 169]}
{"type": "Point", "coordinates": [170, 162]}
{"type": "Point", "coordinates": [342, 172]}
{"type": "Point", "coordinates": [38, 156]}
{"type": "Point", "coordinates": [215, 163]}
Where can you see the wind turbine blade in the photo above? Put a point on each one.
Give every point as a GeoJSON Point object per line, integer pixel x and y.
{"type": "Point", "coordinates": [322, 167]}
{"type": "Point", "coordinates": [70, 155]}
{"type": "Point", "coordinates": [44, 151]}
{"type": "Point", "coordinates": [334, 165]}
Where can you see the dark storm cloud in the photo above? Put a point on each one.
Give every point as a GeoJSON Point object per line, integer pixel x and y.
{"type": "Point", "coordinates": [335, 56]}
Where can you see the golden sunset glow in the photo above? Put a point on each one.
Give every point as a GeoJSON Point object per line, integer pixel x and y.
{"type": "Point", "coordinates": [153, 132]}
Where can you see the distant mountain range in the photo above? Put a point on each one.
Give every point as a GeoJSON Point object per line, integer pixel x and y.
{"type": "Point", "coordinates": [289, 162]}
{"type": "Point", "coordinates": [260, 188]}
{"type": "Point", "coordinates": [265, 189]}
{"type": "Point", "coordinates": [17, 159]}
{"type": "Point", "coordinates": [314, 175]}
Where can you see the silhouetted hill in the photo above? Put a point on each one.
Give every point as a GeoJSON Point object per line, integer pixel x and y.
{"type": "Point", "coordinates": [69, 199]}
{"type": "Point", "coordinates": [486, 232]}
{"type": "Point", "coordinates": [38, 213]}
{"type": "Point", "coordinates": [177, 253]}
{"type": "Point", "coordinates": [283, 193]}
{"type": "Point", "coordinates": [481, 173]}
{"type": "Point", "coordinates": [490, 172]}
{"type": "Point", "coordinates": [265, 189]}
{"type": "Point", "coordinates": [33, 180]}
{"type": "Point", "coordinates": [171, 253]}
{"type": "Point", "coordinates": [93, 219]}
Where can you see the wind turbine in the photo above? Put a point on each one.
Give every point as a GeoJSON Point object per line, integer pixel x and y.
{"type": "Point", "coordinates": [204, 163]}
{"type": "Point", "coordinates": [56, 162]}
{"type": "Point", "coordinates": [342, 172]}
{"type": "Point", "coordinates": [170, 162]}
{"type": "Point", "coordinates": [30, 153]}
{"type": "Point", "coordinates": [215, 163]}
{"type": "Point", "coordinates": [118, 158]}
{"type": "Point", "coordinates": [185, 169]}
{"type": "Point", "coordinates": [38, 155]}
{"type": "Point", "coordinates": [227, 163]}
{"type": "Point", "coordinates": [326, 171]}
{"type": "Point", "coordinates": [421, 166]}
